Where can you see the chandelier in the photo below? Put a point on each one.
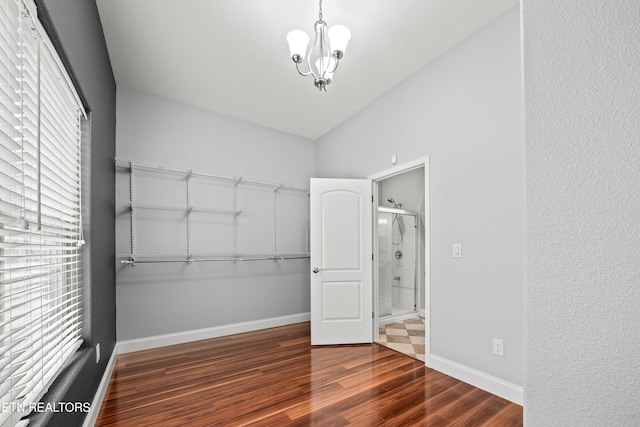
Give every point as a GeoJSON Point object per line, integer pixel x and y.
{"type": "Point", "coordinates": [324, 55]}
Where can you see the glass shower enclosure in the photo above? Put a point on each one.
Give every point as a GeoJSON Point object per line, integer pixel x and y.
{"type": "Point", "coordinates": [398, 252]}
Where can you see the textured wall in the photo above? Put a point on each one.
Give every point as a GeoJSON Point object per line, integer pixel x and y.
{"type": "Point", "coordinates": [465, 112]}
{"type": "Point", "coordinates": [156, 299]}
{"type": "Point", "coordinates": [582, 79]}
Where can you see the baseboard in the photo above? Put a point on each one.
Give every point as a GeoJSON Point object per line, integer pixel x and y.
{"type": "Point", "coordinates": [129, 346]}
{"type": "Point", "coordinates": [385, 321]}
{"type": "Point", "coordinates": [493, 385]}
{"type": "Point", "coordinates": [92, 415]}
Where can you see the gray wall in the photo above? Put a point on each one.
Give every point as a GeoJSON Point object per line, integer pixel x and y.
{"type": "Point", "coordinates": [582, 62]}
{"type": "Point", "coordinates": [157, 299]}
{"type": "Point", "coordinates": [465, 111]}
{"type": "Point", "coordinates": [75, 29]}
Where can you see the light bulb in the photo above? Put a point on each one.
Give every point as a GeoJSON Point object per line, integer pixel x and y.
{"type": "Point", "coordinates": [329, 67]}
{"type": "Point", "coordinates": [339, 37]}
{"type": "Point", "coordinates": [298, 41]}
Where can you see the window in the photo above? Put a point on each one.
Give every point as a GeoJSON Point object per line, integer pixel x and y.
{"type": "Point", "coordinates": [40, 220]}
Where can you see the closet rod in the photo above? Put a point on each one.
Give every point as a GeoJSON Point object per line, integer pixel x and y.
{"type": "Point", "coordinates": [135, 164]}
{"type": "Point", "coordinates": [174, 207]}
{"type": "Point", "coordinates": [133, 262]}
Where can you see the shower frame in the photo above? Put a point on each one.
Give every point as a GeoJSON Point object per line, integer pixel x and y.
{"type": "Point", "coordinates": [417, 270]}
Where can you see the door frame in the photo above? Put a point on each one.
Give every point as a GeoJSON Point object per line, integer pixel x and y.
{"type": "Point", "coordinates": [422, 162]}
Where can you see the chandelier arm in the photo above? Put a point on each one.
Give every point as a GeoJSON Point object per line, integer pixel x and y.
{"type": "Point", "coordinates": [323, 56]}
{"type": "Point", "coordinates": [315, 43]}
{"type": "Point", "coordinates": [309, 62]}
{"type": "Point", "coordinates": [301, 73]}
{"type": "Point", "coordinates": [335, 66]}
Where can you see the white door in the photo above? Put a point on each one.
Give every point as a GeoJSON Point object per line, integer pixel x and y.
{"type": "Point", "coordinates": [341, 264]}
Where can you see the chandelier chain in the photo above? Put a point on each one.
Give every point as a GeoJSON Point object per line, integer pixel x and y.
{"type": "Point", "coordinates": [320, 11]}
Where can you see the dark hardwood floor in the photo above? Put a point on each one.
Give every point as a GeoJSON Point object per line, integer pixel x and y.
{"type": "Point", "coordinates": [275, 378]}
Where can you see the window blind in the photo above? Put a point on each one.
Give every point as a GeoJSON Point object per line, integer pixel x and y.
{"type": "Point", "coordinates": [40, 218]}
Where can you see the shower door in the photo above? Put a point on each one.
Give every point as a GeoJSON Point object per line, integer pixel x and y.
{"type": "Point", "coordinates": [341, 261]}
{"type": "Point", "coordinates": [397, 262]}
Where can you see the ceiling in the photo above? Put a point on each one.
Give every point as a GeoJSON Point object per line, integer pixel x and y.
{"type": "Point", "coordinates": [231, 56]}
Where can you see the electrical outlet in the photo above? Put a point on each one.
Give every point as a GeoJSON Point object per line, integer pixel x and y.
{"type": "Point", "coordinates": [498, 347]}
{"type": "Point", "coordinates": [97, 352]}
{"type": "Point", "coordinates": [457, 250]}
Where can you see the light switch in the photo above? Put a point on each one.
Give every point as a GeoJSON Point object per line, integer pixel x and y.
{"type": "Point", "coordinates": [457, 250]}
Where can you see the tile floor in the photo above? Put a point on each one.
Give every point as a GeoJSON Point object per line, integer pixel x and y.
{"type": "Point", "coordinates": [406, 337]}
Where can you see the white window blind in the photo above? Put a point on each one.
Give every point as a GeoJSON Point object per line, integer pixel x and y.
{"type": "Point", "coordinates": [40, 218]}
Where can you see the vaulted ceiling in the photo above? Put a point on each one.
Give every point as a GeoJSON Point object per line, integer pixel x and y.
{"type": "Point", "coordinates": [232, 58]}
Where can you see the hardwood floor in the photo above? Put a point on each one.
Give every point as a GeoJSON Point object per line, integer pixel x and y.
{"type": "Point", "coordinates": [275, 378]}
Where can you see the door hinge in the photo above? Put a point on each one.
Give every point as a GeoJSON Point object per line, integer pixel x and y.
{"type": "Point", "coordinates": [372, 257]}
{"type": "Point", "coordinates": [372, 198]}
{"type": "Point", "coordinates": [372, 315]}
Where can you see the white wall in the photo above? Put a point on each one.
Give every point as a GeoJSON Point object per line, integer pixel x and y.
{"type": "Point", "coordinates": [582, 80]}
{"type": "Point", "coordinates": [156, 299]}
{"type": "Point", "coordinates": [465, 112]}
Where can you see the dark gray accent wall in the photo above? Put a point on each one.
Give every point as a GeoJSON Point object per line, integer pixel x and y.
{"type": "Point", "coordinates": [75, 29]}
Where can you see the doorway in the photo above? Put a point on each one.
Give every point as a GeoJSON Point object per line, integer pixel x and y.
{"type": "Point", "coordinates": [401, 240]}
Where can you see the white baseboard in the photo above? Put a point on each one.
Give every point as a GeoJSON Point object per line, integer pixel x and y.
{"type": "Point", "coordinates": [139, 344]}
{"type": "Point", "coordinates": [391, 319]}
{"type": "Point", "coordinates": [92, 415]}
{"type": "Point", "coordinates": [493, 385]}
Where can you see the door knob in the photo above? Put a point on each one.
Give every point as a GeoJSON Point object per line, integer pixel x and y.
{"type": "Point", "coordinates": [316, 269]}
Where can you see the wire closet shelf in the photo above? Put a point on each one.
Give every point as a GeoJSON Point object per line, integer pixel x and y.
{"type": "Point", "coordinates": [134, 257]}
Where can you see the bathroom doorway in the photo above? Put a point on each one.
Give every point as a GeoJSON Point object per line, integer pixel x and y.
{"type": "Point", "coordinates": [401, 267]}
